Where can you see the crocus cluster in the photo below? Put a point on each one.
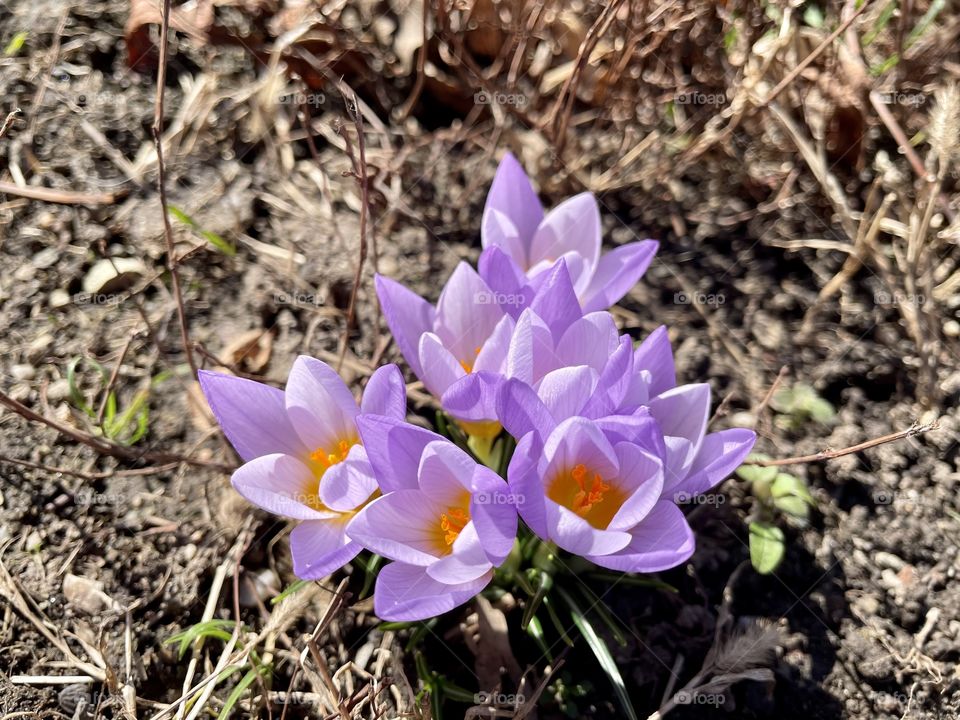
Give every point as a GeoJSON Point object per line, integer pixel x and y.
{"type": "Point", "coordinates": [607, 443]}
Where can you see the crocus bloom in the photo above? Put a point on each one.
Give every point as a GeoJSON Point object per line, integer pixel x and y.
{"type": "Point", "coordinates": [446, 521]}
{"type": "Point", "coordinates": [597, 491]}
{"type": "Point", "coordinates": [528, 243]}
{"type": "Point", "coordinates": [302, 454]}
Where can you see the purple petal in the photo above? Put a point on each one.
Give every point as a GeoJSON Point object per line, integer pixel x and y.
{"type": "Point", "coordinates": [641, 475]}
{"type": "Point", "coordinates": [493, 354]}
{"type": "Point", "coordinates": [572, 226]}
{"type": "Point", "coordinates": [663, 540]}
{"type": "Point", "coordinates": [654, 359]}
{"type": "Point", "coordinates": [574, 534]}
{"type": "Point", "coordinates": [473, 397]}
{"type": "Point", "coordinates": [578, 441]}
{"type": "Point", "coordinates": [348, 484]}
{"type": "Point", "coordinates": [445, 473]}
{"type": "Point", "coordinates": [321, 547]}
{"type": "Point", "coordinates": [403, 525]}
{"type": "Point", "coordinates": [498, 231]}
{"type": "Point", "coordinates": [467, 313]}
{"type": "Point", "coordinates": [720, 454]}
{"type": "Point", "coordinates": [506, 279]}
{"type": "Point", "coordinates": [467, 562]}
{"type": "Point", "coordinates": [321, 408]}
{"type": "Point", "coordinates": [280, 484]}
{"type": "Point", "coordinates": [526, 483]}
{"type": "Point", "coordinates": [408, 316]}
{"type": "Point", "coordinates": [531, 352]}
{"type": "Point", "coordinates": [566, 391]}
{"type": "Point", "coordinates": [393, 448]}
{"type": "Point", "coordinates": [589, 341]}
{"type": "Point", "coordinates": [512, 194]}
{"type": "Point", "coordinates": [405, 592]}
{"type": "Point", "coordinates": [521, 410]}
{"type": "Point", "coordinates": [251, 414]}
{"type": "Point", "coordinates": [439, 368]}
{"type": "Point", "coordinates": [385, 394]}
{"type": "Point", "coordinates": [638, 428]}
{"type": "Point", "coordinates": [683, 413]}
{"type": "Point", "coordinates": [617, 272]}
{"type": "Point", "coordinates": [614, 383]}
{"type": "Point", "coordinates": [556, 301]}
{"type": "Point", "coordinates": [493, 509]}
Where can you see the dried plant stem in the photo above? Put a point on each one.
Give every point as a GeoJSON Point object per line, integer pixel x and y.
{"type": "Point", "coordinates": [915, 429]}
{"type": "Point", "coordinates": [162, 188]}
{"type": "Point", "coordinates": [60, 197]}
{"type": "Point", "coordinates": [8, 122]}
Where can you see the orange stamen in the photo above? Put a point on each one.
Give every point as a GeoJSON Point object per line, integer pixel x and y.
{"type": "Point", "coordinates": [468, 366]}
{"type": "Point", "coordinates": [452, 523]}
{"type": "Point", "coordinates": [327, 459]}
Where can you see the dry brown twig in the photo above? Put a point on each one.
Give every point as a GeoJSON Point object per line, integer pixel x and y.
{"type": "Point", "coordinates": [8, 122]}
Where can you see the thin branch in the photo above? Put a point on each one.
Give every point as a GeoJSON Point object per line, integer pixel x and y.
{"type": "Point", "coordinates": [915, 429]}
{"type": "Point", "coordinates": [162, 187]}
{"type": "Point", "coordinates": [61, 197]}
{"type": "Point", "coordinates": [11, 116]}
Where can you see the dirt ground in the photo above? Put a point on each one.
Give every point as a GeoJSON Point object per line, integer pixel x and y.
{"type": "Point", "coordinates": [768, 260]}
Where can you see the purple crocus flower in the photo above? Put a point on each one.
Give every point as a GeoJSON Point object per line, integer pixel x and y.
{"type": "Point", "coordinates": [302, 453]}
{"type": "Point", "coordinates": [446, 521]}
{"type": "Point", "coordinates": [521, 243]}
{"type": "Point", "coordinates": [467, 332]}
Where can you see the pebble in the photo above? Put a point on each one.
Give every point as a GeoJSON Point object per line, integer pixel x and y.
{"type": "Point", "coordinates": [23, 372]}
{"type": "Point", "coordinates": [951, 328]}
{"type": "Point", "coordinates": [45, 258]}
{"type": "Point", "coordinates": [24, 273]}
{"type": "Point", "coordinates": [58, 390]}
{"type": "Point", "coordinates": [888, 560]}
{"type": "Point", "coordinates": [59, 298]}
{"type": "Point", "coordinates": [111, 275]}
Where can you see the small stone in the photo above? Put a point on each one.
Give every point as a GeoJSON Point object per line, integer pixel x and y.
{"type": "Point", "coordinates": [888, 560]}
{"type": "Point", "coordinates": [45, 258]}
{"type": "Point", "coordinates": [87, 595]}
{"type": "Point", "coordinates": [23, 372]}
{"type": "Point", "coordinates": [58, 390]}
{"type": "Point", "coordinates": [951, 328]}
{"type": "Point", "coordinates": [112, 275]}
{"type": "Point", "coordinates": [59, 298]}
{"type": "Point", "coordinates": [38, 347]}
{"type": "Point", "coordinates": [24, 273]}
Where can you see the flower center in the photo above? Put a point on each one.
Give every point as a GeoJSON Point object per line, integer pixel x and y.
{"type": "Point", "coordinates": [468, 366]}
{"type": "Point", "coordinates": [326, 459]}
{"type": "Point", "coordinates": [586, 494]}
{"type": "Point", "coordinates": [452, 523]}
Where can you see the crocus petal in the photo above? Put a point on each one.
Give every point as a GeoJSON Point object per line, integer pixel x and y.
{"type": "Point", "coordinates": [556, 300]}
{"type": "Point", "coordinates": [393, 448]}
{"type": "Point", "coordinates": [526, 484]}
{"type": "Point", "coordinates": [385, 393]}
{"type": "Point", "coordinates": [493, 354]}
{"type": "Point", "coordinates": [498, 231]}
{"type": "Point", "coordinates": [720, 454]}
{"type": "Point", "coordinates": [280, 484]}
{"type": "Point", "coordinates": [321, 408]}
{"type": "Point", "coordinates": [467, 562]}
{"type": "Point", "coordinates": [574, 534]}
{"type": "Point", "coordinates": [473, 397]}
{"type": "Point", "coordinates": [566, 391]}
{"type": "Point", "coordinates": [253, 415]}
{"type": "Point", "coordinates": [682, 413]}
{"type": "Point", "coordinates": [467, 313]}
{"type": "Point", "coordinates": [439, 368]}
{"type": "Point", "coordinates": [641, 474]}
{"type": "Point", "coordinates": [638, 428]}
{"type": "Point", "coordinates": [612, 393]}
{"type": "Point", "coordinates": [403, 525]}
{"type": "Point", "coordinates": [445, 473]}
{"type": "Point", "coordinates": [663, 540]}
{"type": "Point", "coordinates": [321, 547]}
{"type": "Point", "coordinates": [405, 592]}
{"type": "Point", "coordinates": [531, 352]}
{"type": "Point", "coordinates": [506, 279]}
{"type": "Point", "coordinates": [493, 508]}
{"type": "Point", "coordinates": [579, 441]}
{"type": "Point", "coordinates": [348, 484]}
{"type": "Point", "coordinates": [572, 226]}
{"type": "Point", "coordinates": [512, 194]}
{"type": "Point", "coordinates": [408, 316]}
{"type": "Point", "coordinates": [654, 359]}
{"type": "Point", "coordinates": [521, 411]}
{"type": "Point", "coordinates": [617, 272]}
{"type": "Point", "coordinates": [589, 341]}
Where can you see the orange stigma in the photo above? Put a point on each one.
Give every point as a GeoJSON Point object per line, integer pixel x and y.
{"type": "Point", "coordinates": [327, 459]}
{"type": "Point", "coordinates": [587, 497]}
{"type": "Point", "coordinates": [452, 523]}
{"type": "Point", "coordinates": [467, 366]}
{"type": "Point", "coordinates": [586, 494]}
